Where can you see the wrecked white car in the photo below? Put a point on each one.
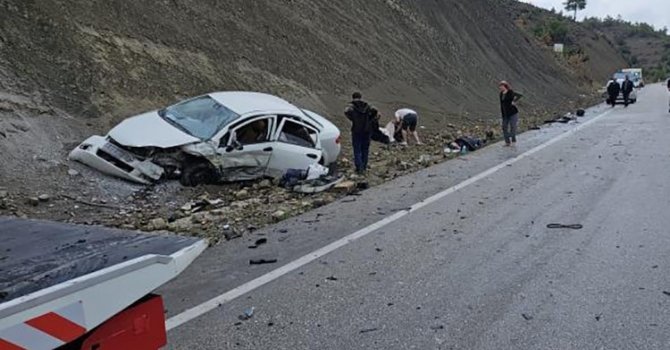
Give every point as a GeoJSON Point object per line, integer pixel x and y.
{"type": "Point", "coordinates": [222, 136]}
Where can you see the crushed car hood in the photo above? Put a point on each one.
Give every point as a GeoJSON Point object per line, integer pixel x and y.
{"type": "Point", "coordinates": [149, 130]}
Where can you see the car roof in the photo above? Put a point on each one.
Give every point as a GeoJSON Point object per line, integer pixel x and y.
{"type": "Point", "coordinates": [243, 102]}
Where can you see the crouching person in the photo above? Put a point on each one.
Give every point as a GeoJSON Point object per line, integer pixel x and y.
{"type": "Point", "coordinates": [408, 120]}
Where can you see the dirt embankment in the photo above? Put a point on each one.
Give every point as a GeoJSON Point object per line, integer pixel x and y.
{"type": "Point", "coordinates": [102, 60]}
{"type": "Point", "coordinates": [70, 69]}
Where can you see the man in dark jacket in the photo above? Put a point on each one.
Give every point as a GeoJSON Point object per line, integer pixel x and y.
{"type": "Point", "coordinates": [613, 90]}
{"type": "Point", "coordinates": [362, 116]}
{"type": "Point", "coordinates": [626, 88]}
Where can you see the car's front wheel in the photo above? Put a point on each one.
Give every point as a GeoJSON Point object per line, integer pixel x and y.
{"type": "Point", "coordinates": [197, 173]}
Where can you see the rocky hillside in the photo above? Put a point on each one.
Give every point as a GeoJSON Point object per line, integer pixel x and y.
{"type": "Point", "coordinates": [101, 60]}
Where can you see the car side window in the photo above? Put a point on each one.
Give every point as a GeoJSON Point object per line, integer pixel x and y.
{"type": "Point", "coordinates": [257, 131]}
{"type": "Point", "coordinates": [297, 134]}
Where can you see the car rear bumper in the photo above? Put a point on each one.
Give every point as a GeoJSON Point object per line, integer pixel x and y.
{"type": "Point", "coordinates": [331, 151]}
{"type": "Point", "coordinates": [104, 156]}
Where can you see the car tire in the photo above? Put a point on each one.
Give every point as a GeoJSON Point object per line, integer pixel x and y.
{"type": "Point", "coordinates": [633, 101]}
{"type": "Point", "coordinates": [198, 173]}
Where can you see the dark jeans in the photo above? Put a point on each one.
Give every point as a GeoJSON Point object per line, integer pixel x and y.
{"type": "Point", "coordinates": [509, 126]}
{"type": "Point", "coordinates": [626, 99]}
{"type": "Point", "coordinates": [612, 100]}
{"type": "Point", "coordinates": [361, 143]}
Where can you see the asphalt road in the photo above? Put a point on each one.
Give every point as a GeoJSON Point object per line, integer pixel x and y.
{"type": "Point", "coordinates": [476, 268]}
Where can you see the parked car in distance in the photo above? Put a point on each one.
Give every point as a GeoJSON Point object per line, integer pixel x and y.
{"type": "Point", "coordinates": [218, 137]}
{"type": "Point", "coordinates": [635, 75]}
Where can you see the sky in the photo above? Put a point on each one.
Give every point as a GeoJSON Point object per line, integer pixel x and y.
{"type": "Point", "coordinates": [654, 12]}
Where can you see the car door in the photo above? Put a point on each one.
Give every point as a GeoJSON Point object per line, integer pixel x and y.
{"type": "Point", "coordinates": [296, 146]}
{"type": "Point", "coordinates": [244, 151]}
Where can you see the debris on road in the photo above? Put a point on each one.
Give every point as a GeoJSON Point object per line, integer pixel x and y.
{"type": "Point", "coordinates": [320, 184]}
{"type": "Point", "coordinates": [316, 171]}
{"type": "Point", "coordinates": [248, 313]}
{"type": "Point", "coordinates": [666, 293]}
{"type": "Point", "coordinates": [368, 330]}
{"type": "Point", "coordinates": [230, 233]}
{"type": "Point", "coordinates": [345, 187]}
{"type": "Point", "coordinates": [561, 119]}
{"type": "Point", "coordinates": [331, 278]}
{"type": "Point", "coordinates": [262, 261]}
{"type": "Point", "coordinates": [258, 243]}
{"type": "Point", "coordinates": [527, 317]}
{"type": "Point", "coordinates": [570, 226]}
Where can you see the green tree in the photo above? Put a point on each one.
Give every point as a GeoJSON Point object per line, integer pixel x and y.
{"type": "Point", "coordinates": [575, 5]}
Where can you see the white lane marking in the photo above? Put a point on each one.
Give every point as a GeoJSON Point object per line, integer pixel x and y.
{"type": "Point", "coordinates": [215, 302]}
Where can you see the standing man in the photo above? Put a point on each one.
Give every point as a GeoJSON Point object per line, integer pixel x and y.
{"type": "Point", "coordinates": [509, 111]}
{"type": "Point", "coordinates": [613, 90]}
{"type": "Point", "coordinates": [626, 88]}
{"type": "Point", "coordinates": [362, 116]}
{"type": "Point", "coordinates": [408, 119]}
{"type": "Point", "coordinates": [668, 93]}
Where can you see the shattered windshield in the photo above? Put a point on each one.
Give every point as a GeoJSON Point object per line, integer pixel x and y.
{"type": "Point", "coordinates": [201, 117]}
